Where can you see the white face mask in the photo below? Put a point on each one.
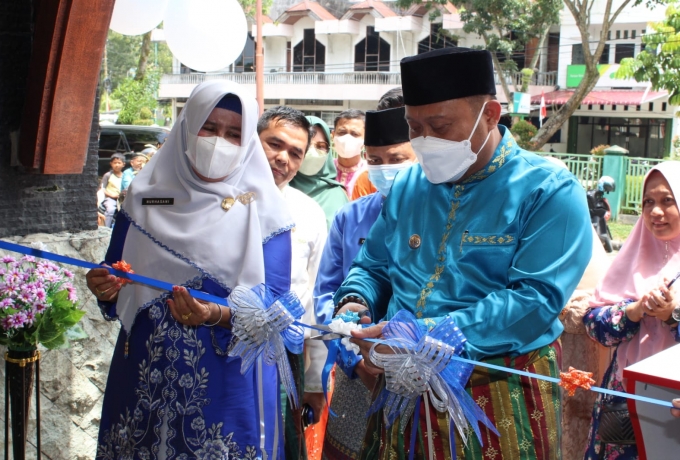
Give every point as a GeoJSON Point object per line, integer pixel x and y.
{"type": "Point", "coordinates": [348, 146]}
{"type": "Point", "coordinates": [382, 176]}
{"type": "Point", "coordinates": [446, 161]}
{"type": "Point", "coordinates": [213, 157]}
{"type": "Point", "coordinates": [313, 162]}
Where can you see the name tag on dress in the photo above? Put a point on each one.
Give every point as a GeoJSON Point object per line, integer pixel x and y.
{"type": "Point", "coordinates": [158, 201]}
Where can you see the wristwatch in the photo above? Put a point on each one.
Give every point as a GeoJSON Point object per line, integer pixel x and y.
{"type": "Point", "coordinates": [675, 316]}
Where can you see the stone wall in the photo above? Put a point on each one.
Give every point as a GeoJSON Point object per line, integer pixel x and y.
{"type": "Point", "coordinates": [32, 203]}
{"type": "Point", "coordinates": [72, 380]}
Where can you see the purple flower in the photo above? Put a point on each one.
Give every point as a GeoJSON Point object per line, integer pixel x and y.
{"type": "Point", "coordinates": [28, 259]}
{"type": "Point", "coordinates": [8, 260]}
{"type": "Point", "coordinates": [68, 274]}
{"type": "Point", "coordinates": [8, 323]}
{"type": "Point", "coordinates": [6, 303]}
{"type": "Point", "coordinates": [19, 319]}
{"type": "Point", "coordinates": [52, 278]}
{"type": "Point", "coordinates": [52, 267]}
{"type": "Point", "coordinates": [25, 297]}
{"type": "Point", "coordinates": [40, 307]}
{"type": "Point", "coordinates": [40, 295]}
{"type": "Point", "coordinates": [10, 290]}
{"type": "Point", "coordinates": [72, 294]}
{"type": "Point", "coordinates": [30, 317]}
{"type": "Point", "coordinates": [15, 276]}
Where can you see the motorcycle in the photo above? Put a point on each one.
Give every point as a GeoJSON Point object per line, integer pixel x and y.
{"type": "Point", "coordinates": [600, 210]}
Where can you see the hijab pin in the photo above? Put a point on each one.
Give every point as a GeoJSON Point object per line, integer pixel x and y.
{"type": "Point", "coordinates": [227, 203]}
{"type": "Point", "coordinates": [244, 199]}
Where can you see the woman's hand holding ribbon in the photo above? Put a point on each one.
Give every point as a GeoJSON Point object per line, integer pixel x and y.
{"type": "Point", "coordinates": [103, 285]}
{"type": "Point", "coordinates": [190, 312]}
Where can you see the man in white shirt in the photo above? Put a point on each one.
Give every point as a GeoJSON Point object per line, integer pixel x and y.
{"type": "Point", "coordinates": [285, 134]}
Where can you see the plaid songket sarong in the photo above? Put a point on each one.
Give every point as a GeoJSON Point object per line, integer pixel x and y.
{"type": "Point", "coordinates": [525, 411]}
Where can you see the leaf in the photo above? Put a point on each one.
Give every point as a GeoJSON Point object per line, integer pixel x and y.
{"type": "Point", "coordinates": [76, 332]}
{"type": "Point", "coordinates": [55, 343]}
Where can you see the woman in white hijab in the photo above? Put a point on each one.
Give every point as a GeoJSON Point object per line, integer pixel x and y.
{"type": "Point", "coordinates": [205, 214]}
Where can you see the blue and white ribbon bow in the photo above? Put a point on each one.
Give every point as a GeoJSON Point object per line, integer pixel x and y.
{"type": "Point", "coordinates": [421, 365]}
{"type": "Point", "coordinates": [264, 326]}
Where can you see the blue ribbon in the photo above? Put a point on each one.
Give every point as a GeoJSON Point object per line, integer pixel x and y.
{"type": "Point", "coordinates": [421, 364]}
{"type": "Point", "coordinates": [265, 326]}
{"type": "Point", "coordinates": [219, 300]}
{"type": "Point", "coordinates": [90, 265]}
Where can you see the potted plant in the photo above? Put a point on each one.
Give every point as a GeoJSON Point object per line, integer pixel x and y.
{"type": "Point", "coordinates": [599, 150]}
{"type": "Point", "coordinates": [38, 305]}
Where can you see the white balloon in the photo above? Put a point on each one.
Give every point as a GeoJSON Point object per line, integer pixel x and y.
{"type": "Point", "coordinates": [205, 35]}
{"type": "Point", "coordinates": [136, 17]}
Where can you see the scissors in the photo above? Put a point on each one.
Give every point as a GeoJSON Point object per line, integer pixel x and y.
{"type": "Point", "coordinates": [330, 335]}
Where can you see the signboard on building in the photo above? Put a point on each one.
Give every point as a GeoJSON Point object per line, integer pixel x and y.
{"type": "Point", "coordinates": [576, 72]}
{"type": "Point", "coordinates": [521, 103]}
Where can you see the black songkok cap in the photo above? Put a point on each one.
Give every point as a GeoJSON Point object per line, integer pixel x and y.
{"type": "Point", "coordinates": [445, 74]}
{"type": "Point", "coordinates": [385, 127]}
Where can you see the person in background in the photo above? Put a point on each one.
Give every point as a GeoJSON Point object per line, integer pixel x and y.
{"type": "Point", "coordinates": [348, 142]}
{"type": "Point", "coordinates": [388, 151]}
{"type": "Point", "coordinates": [150, 150]}
{"type": "Point", "coordinates": [285, 135]}
{"type": "Point", "coordinates": [484, 233]}
{"type": "Point", "coordinates": [111, 184]}
{"type": "Point", "coordinates": [390, 100]}
{"type": "Point", "coordinates": [316, 177]}
{"type": "Point", "coordinates": [633, 310]}
{"type": "Point", "coordinates": [208, 217]}
{"type": "Point", "coordinates": [136, 164]}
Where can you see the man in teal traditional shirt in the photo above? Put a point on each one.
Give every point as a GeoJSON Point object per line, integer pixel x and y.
{"type": "Point", "coordinates": [482, 231]}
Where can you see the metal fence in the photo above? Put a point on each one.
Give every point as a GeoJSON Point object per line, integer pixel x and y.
{"type": "Point", "coordinates": [636, 169]}
{"type": "Point", "coordinates": [323, 78]}
{"type": "Point", "coordinates": [587, 168]}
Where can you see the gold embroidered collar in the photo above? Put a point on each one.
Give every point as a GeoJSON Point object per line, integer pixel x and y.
{"type": "Point", "coordinates": [505, 150]}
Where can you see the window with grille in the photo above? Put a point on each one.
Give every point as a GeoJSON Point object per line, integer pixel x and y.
{"type": "Point", "coordinates": [309, 55]}
{"type": "Point", "coordinates": [624, 50]}
{"type": "Point", "coordinates": [437, 39]}
{"type": "Point", "coordinates": [246, 61]}
{"type": "Point", "coordinates": [372, 53]}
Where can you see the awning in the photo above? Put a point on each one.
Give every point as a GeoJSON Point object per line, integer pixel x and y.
{"type": "Point", "coordinates": [612, 97]}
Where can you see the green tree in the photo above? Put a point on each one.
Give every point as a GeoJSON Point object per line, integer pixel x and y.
{"type": "Point", "coordinates": [249, 7]}
{"type": "Point", "coordinates": [124, 57]}
{"type": "Point", "coordinates": [523, 131]}
{"type": "Point", "coordinates": [592, 51]}
{"type": "Point", "coordinates": [507, 27]}
{"type": "Point", "coordinates": [138, 99]}
{"type": "Point", "coordinates": [659, 62]}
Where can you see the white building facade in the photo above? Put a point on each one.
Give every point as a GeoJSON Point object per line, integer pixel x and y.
{"type": "Point", "coordinates": [616, 112]}
{"type": "Point", "coordinates": [326, 60]}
